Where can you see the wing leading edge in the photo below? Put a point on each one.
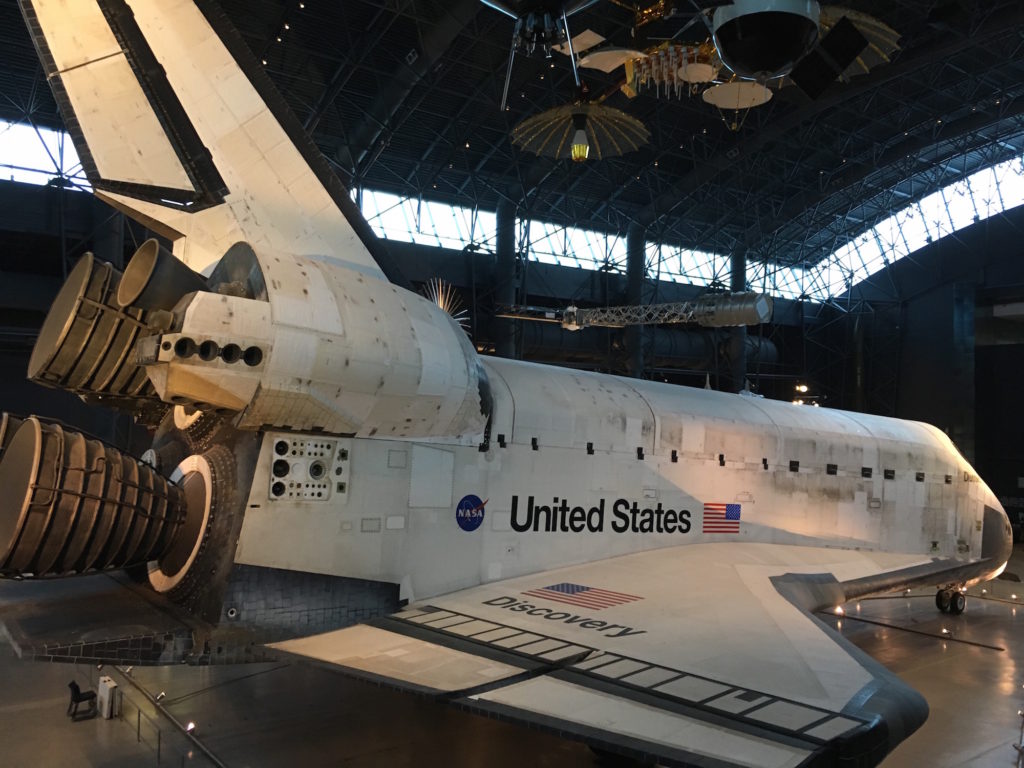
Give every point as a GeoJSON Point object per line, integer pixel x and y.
{"type": "Point", "coordinates": [716, 659]}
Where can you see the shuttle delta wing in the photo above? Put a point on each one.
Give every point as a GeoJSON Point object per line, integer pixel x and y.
{"type": "Point", "coordinates": [707, 655]}
{"type": "Point", "coordinates": [177, 125]}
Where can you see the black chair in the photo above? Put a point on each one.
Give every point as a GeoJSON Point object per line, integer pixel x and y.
{"type": "Point", "coordinates": [78, 696]}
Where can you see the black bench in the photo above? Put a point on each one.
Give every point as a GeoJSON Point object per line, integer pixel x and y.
{"type": "Point", "coordinates": [78, 696]}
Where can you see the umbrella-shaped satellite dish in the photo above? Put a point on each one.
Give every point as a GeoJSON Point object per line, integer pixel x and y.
{"type": "Point", "coordinates": [579, 132]}
{"type": "Point", "coordinates": [735, 98]}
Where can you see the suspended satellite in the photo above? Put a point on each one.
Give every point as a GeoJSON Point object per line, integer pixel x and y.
{"type": "Point", "coordinates": [763, 40]}
{"type": "Point", "coordinates": [540, 26]}
{"type": "Point", "coordinates": [579, 131]}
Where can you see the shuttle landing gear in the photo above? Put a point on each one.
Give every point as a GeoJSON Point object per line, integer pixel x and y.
{"type": "Point", "coordinates": [951, 601]}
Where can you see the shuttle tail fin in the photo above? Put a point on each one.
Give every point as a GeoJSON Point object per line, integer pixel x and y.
{"type": "Point", "coordinates": [177, 125]}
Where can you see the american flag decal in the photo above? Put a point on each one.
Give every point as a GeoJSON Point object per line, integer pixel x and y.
{"type": "Point", "coordinates": [584, 597]}
{"type": "Point", "coordinates": [721, 518]}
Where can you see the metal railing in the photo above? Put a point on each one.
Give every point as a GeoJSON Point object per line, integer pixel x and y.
{"type": "Point", "coordinates": [164, 739]}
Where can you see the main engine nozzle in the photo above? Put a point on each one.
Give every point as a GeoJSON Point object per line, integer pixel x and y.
{"type": "Point", "coordinates": [87, 341]}
{"type": "Point", "coordinates": [155, 279]}
{"type": "Point", "coordinates": [72, 505]}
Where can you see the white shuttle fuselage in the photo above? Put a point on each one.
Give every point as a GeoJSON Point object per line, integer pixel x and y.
{"type": "Point", "coordinates": [550, 466]}
{"type": "Point", "coordinates": [582, 466]}
{"type": "Point", "coordinates": [313, 417]}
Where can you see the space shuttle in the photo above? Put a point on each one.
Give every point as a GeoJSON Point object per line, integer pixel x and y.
{"type": "Point", "coordinates": [633, 564]}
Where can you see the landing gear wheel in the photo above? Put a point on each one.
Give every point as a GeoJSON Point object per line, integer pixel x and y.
{"type": "Point", "coordinates": [957, 603]}
{"type": "Point", "coordinates": [942, 600]}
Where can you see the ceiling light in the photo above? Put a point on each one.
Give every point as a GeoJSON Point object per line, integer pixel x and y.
{"type": "Point", "coordinates": [580, 146]}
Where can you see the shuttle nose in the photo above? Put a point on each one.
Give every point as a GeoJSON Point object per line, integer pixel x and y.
{"type": "Point", "coordinates": [996, 535]}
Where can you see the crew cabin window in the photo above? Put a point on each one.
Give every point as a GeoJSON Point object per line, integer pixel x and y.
{"type": "Point", "coordinates": [865, 472]}
{"type": "Point", "coordinates": [831, 469]}
{"type": "Point", "coordinates": [890, 474]}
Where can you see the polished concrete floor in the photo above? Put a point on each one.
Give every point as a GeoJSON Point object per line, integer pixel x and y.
{"type": "Point", "coordinates": [292, 713]}
{"type": "Point", "coordinates": [35, 731]}
{"type": "Point", "coordinates": [973, 691]}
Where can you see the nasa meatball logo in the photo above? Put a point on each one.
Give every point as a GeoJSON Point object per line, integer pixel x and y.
{"type": "Point", "coordinates": [470, 512]}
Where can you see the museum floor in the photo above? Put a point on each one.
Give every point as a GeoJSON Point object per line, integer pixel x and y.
{"type": "Point", "coordinates": [970, 668]}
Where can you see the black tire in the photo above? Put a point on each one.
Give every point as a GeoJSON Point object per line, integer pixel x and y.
{"type": "Point", "coordinates": [957, 603]}
{"type": "Point", "coordinates": [942, 600]}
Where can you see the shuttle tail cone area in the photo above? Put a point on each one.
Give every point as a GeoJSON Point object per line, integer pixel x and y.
{"type": "Point", "coordinates": [72, 505]}
{"type": "Point", "coordinates": [86, 344]}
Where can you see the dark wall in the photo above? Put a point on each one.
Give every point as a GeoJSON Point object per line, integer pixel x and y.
{"type": "Point", "coordinates": [936, 369]}
{"type": "Point", "coordinates": [944, 377]}
{"type": "Point", "coordinates": [999, 374]}
{"type": "Point", "coordinates": [20, 396]}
